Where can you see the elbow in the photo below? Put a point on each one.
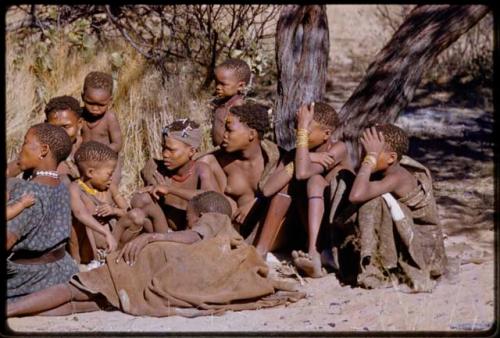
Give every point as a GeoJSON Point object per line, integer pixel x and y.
{"type": "Point", "coordinates": [267, 192]}
{"type": "Point", "coordinates": [355, 197]}
{"type": "Point", "coordinates": [300, 175]}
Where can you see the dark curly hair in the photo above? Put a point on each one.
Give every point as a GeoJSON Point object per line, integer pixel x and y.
{"type": "Point", "coordinates": [98, 80]}
{"type": "Point", "coordinates": [56, 138]}
{"type": "Point", "coordinates": [94, 151]}
{"type": "Point", "coordinates": [65, 102]}
{"type": "Point", "coordinates": [180, 124]}
{"type": "Point", "coordinates": [254, 115]}
{"type": "Point", "coordinates": [211, 201]}
{"type": "Point", "coordinates": [240, 67]}
{"type": "Point", "coordinates": [326, 115]}
{"type": "Point", "coordinates": [395, 137]}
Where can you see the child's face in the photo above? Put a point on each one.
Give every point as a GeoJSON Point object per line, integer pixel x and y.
{"type": "Point", "coordinates": [96, 101]}
{"type": "Point", "coordinates": [100, 173]}
{"type": "Point", "coordinates": [176, 153]}
{"type": "Point", "coordinates": [67, 119]}
{"type": "Point", "coordinates": [227, 83]}
{"type": "Point", "coordinates": [318, 135]}
{"type": "Point", "coordinates": [192, 216]}
{"type": "Point", "coordinates": [237, 135]}
{"type": "Point", "coordinates": [31, 151]}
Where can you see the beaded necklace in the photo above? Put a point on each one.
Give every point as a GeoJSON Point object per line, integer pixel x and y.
{"type": "Point", "coordinates": [86, 188]}
{"type": "Point", "coordinates": [182, 178]}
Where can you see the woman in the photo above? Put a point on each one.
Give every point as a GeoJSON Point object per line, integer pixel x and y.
{"type": "Point", "coordinates": [36, 238]}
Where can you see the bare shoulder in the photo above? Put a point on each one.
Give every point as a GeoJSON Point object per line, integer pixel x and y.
{"type": "Point", "coordinates": [202, 168]}
{"type": "Point", "coordinates": [111, 116]}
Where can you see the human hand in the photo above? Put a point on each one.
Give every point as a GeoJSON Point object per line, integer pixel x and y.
{"type": "Point", "coordinates": [131, 250]}
{"type": "Point", "coordinates": [324, 158]}
{"type": "Point", "coordinates": [111, 242]}
{"type": "Point", "coordinates": [104, 210]}
{"type": "Point", "coordinates": [27, 200]}
{"type": "Point", "coordinates": [305, 116]}
{"type": "Point", "coordinates": [373, 141]}
{"type": "Point", "coordinates": [159, 190]}
{"type": "Point", "coordinates": [242, 212]}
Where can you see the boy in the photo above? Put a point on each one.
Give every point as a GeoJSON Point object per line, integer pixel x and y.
{"type": "Point", "coordinates": [247, 161]}
{"type": "Point", "coordinates": [409, 207]}
{"type": "Point", "coordinates": [95, 200]}
{"type": "Point", "coordinates": [231, 78]}
{"type": "Point", "coordinates": [99, 123]}
{"type": "Point", "coordinates": [169, 278]}
{"type": "Point", "coordinates": [315, 125]}
{"type": "Point", "coordinates": [65, 112]}
{"type": "Point", "coordinates": [177, 178]}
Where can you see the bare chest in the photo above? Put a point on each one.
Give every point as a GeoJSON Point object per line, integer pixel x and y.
{"type": "Point", "coordinates": [96, 131]}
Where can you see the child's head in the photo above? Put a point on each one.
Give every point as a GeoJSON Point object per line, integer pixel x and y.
{"type": "Point", "coordinates": [97, 93]}
{"type": "Point", "coordinates": [65, 112]}
{"type": "Point", "coordinates": [245, 124]}
{"type": "Point", "coordinates": [208, 201]}
{"type": "Point", "coordinates": [44, 141]}
{"type": "Point", "coordinates": [231, 77]}
{"type": "Point", "coordinates": [96, 163]}
{"type": "Point", "coordinates": [181, 140]}
{"type": "Point", "coordinates": [325, 121]}
{"type": "Point", "coordinates": [396, 145]}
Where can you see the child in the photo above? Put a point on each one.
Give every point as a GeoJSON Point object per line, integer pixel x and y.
{"type": "Point", "coordinates": [18, 206]}
{"type": "Point", "coordinates": [100, 124]}
{"type": "Point", "coordinates": [315, 125]}
{"type": "Point", "coordinates": [36, 237]}
{"type": "Point", "coordinates": [177, 178]}
{"type": "Point", "coordinates": [95, 200]}
{"type": "Point", "coordinates": [405, 186]}
{"type": "Point", "coordinates": [247, 161]}
{"type": "Point", "coordinates": [65, 112]}
{"type": "Point", "coordinates": [231, 78]}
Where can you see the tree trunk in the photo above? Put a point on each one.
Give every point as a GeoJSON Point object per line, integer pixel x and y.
{"type": "Point", "coordinates": [392, 79]}
{"type": "Point", "coordinates": [302, 49]}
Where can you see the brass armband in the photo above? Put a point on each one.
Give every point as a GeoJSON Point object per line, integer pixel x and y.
{"type": "Point", "coordinates": [289, 168]}
{"type": "Point", "coordinates": [370, 160]}
{"type": "Point", "coordinates": [302, 138]}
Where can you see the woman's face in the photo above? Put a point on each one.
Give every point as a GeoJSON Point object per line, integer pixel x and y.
{"type": "Point", "coordinates": [237, 135]}
{"type": "Point", "coordinates": [176, 153]}
{"type": "Point", "coordinates": [31, 151]}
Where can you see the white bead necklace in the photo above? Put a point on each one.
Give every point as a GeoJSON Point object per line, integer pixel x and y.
{"type": "Point", "coordinates": [48, 173]}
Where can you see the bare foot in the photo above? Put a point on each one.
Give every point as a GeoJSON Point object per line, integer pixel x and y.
{"type": "Point", "coordinates": [309, 263]}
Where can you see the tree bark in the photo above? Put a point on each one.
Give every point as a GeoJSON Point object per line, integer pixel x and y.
{"type": "Point", "coordinates": [393, 77]}
{"type": "Point", "coordinates": [302, 49]}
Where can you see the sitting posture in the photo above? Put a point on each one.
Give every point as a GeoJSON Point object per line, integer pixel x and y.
{"type": "Point", "coordinates": [96, 202]}
{"type": "Point", "coordinates": [36, 237]}
{"type": "Point", "coordinates": [203, 270]}
{"type": "Point", "coordinates": [398, 220]}
{"type": "Point", "coordinates": [231, 79]}
{"type": "Point", "coordinates": [99, 123]}
{"type": "Point", "coordinates": [171, 183]}
{"type": "Point", "coordinates": [247, 161]}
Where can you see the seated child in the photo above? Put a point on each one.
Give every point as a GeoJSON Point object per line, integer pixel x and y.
{"type": "Point", "coordinates": [395, 194]}
{"type": "Point", "coordinates": [177, 178]}
{"type": "Point", "coordinates": [99, 123]}
{"type": "Point", "coordinates": [247, 161]}
{"type": "Point", "coordinates": [65, 112]}
{"type": "Point", "coordinates": [95, 200]}
{"type": "Point", "coordinates": [315, 125]}
{"type": "Point", "coordinates": [231, 78]}
{"type": "Point", "coordinates": [35, 239]}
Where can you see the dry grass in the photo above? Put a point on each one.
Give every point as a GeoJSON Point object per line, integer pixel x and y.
{"type": "Point", "coordinates": [143, 103]}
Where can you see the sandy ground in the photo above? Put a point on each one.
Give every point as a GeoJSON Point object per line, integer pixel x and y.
{"type": "Point", "coordinates": [456, 144]}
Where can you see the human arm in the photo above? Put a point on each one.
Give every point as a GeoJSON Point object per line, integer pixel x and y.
{"type": "Point", "coordinates": [281, 177]}
{"type": "Point", "coordinates": [86, 218]}
{"type": "Point", "coordinates": [107, 210]}
{"type": "Point", "coordinates": [115, 133]}
{"type": "Point", "coordinates": [13, 168]}
{"type": "Point", "coordinates": [24, 202]}
{"type": "Point", "coordinates": [363, 189]}
{"type": "Point", "coordinates": [147, 173]}
{"type": "Point", "coordinates": [305, 167]}
{"type": "Point", "coordinates": [131, 250]}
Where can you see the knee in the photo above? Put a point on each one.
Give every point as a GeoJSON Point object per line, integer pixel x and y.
{"type": "Point", "coordinates": [137, 216]}
{"type": "Point", "coordinates": [315, 184]}
{"type": "Point", "coordinates": [139, 200]}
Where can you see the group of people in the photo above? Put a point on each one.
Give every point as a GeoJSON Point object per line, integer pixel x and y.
{"type": "Point", "coordinates": [194, 240]}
